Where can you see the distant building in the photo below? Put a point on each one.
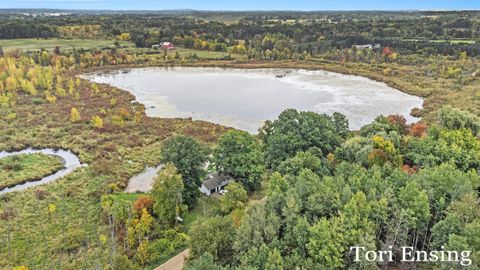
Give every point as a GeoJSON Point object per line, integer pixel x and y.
{"type": "Point", "coordinates": [365, 46]}
{"type": "Point", "coordinates": [214, 183]}
{"type": "Point", "coordinates": [164, 45]}
{"type": "Point", "coordinates": [368, 46]}
{"type": "Point", "coordinates": [167, 45]}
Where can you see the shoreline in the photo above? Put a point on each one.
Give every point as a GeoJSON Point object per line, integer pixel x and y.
{"type": "Point", "coordinates": [282, 67]}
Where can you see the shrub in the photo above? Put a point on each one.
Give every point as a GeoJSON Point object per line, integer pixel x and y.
{"type": "Point", "coordinates": [97, 122]}
{"type": "Point", "coordinates": [74, 115]}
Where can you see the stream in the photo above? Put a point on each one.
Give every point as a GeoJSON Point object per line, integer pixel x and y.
{"type": "Point", "coordinates": [70, 163]}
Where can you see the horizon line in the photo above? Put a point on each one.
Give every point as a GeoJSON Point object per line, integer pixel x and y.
{"type": "Point", "coordinates": [246, 10]}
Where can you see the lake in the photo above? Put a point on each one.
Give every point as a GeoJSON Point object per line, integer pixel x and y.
{"type": "Point", "coordinates": [245, 98]}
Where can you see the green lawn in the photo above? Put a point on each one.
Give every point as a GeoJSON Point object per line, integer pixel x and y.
{"type": "Point", "coordinates": [23, 168]}
{"type": "Point", "coordinates": [65, 44]}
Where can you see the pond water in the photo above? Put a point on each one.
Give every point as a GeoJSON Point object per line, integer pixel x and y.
{"type": "Point", "coordinates": [70, 163]}
{"type": "Point", "coordinates": [245, 98]}
{"type": "Point", "coordinates": [143, 182]}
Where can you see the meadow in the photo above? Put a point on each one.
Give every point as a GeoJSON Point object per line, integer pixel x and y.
{"type": "Point", "coordinates": [34, 44]}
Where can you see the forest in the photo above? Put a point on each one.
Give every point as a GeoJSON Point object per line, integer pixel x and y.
{"type": "Point", "coordinates": [306, 187]}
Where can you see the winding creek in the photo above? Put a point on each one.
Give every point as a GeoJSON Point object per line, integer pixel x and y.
{"type": "Point", "coordinates": [70, 163]}
{"type": "Point", "coordinates": [245, 98]}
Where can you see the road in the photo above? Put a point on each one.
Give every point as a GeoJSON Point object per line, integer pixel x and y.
{"type": "Point", "coordinates": [175, 263]}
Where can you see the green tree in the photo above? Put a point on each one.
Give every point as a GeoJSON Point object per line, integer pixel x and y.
{"type": "Point", "coordinates": [214, 236]}
{"type": "Point", "coordinates": [327, 245]}
{"type": "Point", "coordinates": [274, 261]}
{"type": "Point", "coordinates": [205, 262]}
{"type": "Point", "coordinates": [295, 131]}
{"type": "Point", "coordinates": [235, 198]}
{"type": "Point", "coordinates": [257, 228]}
{"type": "Point", "coordinates": [239, 155]}
{"type": "Point", "coordinates": [189, 157]}
{"type": "Point", "coordinates": [167, 193]}
{"type": "Point", "coordinates": [415, 201]}
{"type": "Point", "coordinates": [453, 118]}
{"type": "Point", "coordinates": [305, 160]}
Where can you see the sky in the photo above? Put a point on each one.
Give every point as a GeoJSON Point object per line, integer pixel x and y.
{"type": "Point", "coordinates": [246, 4]}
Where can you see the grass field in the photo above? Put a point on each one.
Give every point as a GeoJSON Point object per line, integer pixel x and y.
{"type": "Point", "coordinates": [23, 168]}
{"type": "Point", "coordinates": [453, 41]}
{"type": "Point", "coordinates": [33, 44]}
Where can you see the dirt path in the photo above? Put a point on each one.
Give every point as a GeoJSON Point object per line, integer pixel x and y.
{"type": "Point", "coordinates": [175, 263]}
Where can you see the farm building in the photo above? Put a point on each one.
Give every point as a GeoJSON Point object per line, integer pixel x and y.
{"type": "Point", "coordinates": [368, 46]}
{"type": "Point", "coordinates": [164, 45]}
{"type": "Point", "coordinates": [167, 45]}
{"type": "Point", "coordinates": [214, 183]}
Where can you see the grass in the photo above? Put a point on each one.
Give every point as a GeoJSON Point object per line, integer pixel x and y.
{"type": "Point", "coordinates": [33, 44]}
{"type": "Point", "coordinates": [23, 168]}
{"type": "Point", "coordinates": [69, 236]}
{"type": "Point", "coordinates": [453, 41]}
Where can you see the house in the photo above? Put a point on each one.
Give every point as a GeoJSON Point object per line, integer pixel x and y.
{"type": "Point", "coordinates": [164, 45]}
{"type": "Point", "coordinates": [365, 46]}
{"type": "Point", "coordinates": [214, 183]}
{"type": "Point", "coordinates": [376, 46]}
{"type": "Point", "coordinates": [167, 45]}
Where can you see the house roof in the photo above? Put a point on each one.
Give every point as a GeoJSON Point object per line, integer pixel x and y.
{"type": "Point", "coordinates": [215, 180]}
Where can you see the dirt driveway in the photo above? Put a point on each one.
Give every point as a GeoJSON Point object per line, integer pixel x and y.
{"type": "Point", "coordinates": [175, 263]}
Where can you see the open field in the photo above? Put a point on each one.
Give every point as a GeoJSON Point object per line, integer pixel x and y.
{"type": "Point", "coordinates": [453, 41]}
{"type": "Point", "coordinates": [33, 44]}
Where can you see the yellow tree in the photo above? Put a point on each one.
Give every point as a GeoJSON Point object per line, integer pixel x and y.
{"type": "Point", "coordinates": [97, 122]}
{"type": "Point", "coordinates": [74, 115]}
{"type": "Point", "coordinates": [71, 87]}
{"type": "Point", "coordinates": [59, 87]}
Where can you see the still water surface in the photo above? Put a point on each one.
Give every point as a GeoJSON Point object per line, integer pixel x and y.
{"type": "Point", "coordinates": [244, 99]}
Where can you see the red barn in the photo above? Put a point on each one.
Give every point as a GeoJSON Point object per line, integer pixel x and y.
{"type": "Point", "coordinates": [167, 45]}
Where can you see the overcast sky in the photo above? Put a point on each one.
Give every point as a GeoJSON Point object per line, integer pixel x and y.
{"type": "Point", "coordinates": [246, 4]}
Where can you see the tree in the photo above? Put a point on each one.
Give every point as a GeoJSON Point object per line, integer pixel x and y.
{"type": "Point", "coordinates": [205, 262]}
{"type": "Point", "coordinates": [235, 198]}
{"type": "Point", "coordinates": [257, 229]}
{"type": "Point", "coordinates": [415, 201]}
{"type": "Point", "coordinates": [213, 235]}
{"type": "Point", "coordinates": [121, 262]}
{"type": "Point", "coordinates": [453, 118]}
{"type": "Point", "coordinates": [238, 155]}
{"type": "Point", "coordinates": [274, 261]}
{"type": "Point", "coordinates": [74, 115]}
{"type": "Point", "coordinates": [167, 193]}
{"type": "Point", "coordinates": [305, 160]}
{"type": "Point", "coordinates": [340, 122]}
{"type": "Point", "coordinates": [443, 145]}
{"type": "Point", "coordinates": [295, 131]}
{"type": "Point", "coordinates": [327, 244]}
{"type": "Point", "coordinates": [97, 122]}
{"type": "Point", "coordinates": [189, 157]}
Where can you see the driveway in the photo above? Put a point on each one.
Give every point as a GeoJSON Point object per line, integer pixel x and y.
{"type": "Point", "coordinates": [175, 263]}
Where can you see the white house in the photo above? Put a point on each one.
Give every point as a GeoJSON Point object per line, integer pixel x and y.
{"type": "Point", "coordinates": [376, 46]}
{"type": "Point", "coordinates": [214, 183]}
{"type": "Point", "coordinates": [365, 46]}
